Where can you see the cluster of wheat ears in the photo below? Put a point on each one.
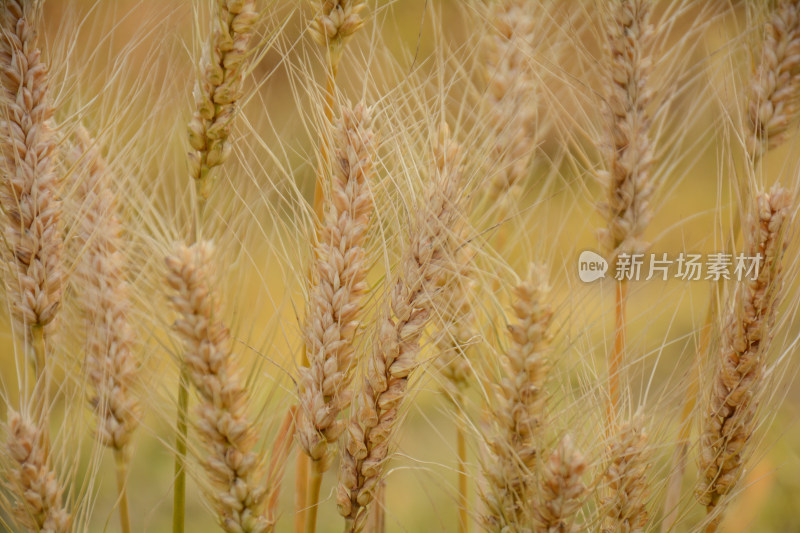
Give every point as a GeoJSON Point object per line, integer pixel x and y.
{"type": "Point", "coordinates": [205, 303]}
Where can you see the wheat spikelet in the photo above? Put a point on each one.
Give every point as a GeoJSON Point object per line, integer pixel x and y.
{"type": "Point", "coordinates": [232, 465]}
{"type": "Point", "coordinates": [219, 87]}
{"type": "Point", "coordinates": [336, 21]}
{"type": "Point", "coordinates": [561, 490]}
{"type": "Point", "coordinates": [508, 470]}
{"type": "Point", "coordinates": [408, 308]}
{"type": "Point", "coordinates": [775, 87]}
{"type": "Point", "coordinates": [29, 196]}
{"type": "Point", "coordinates": [628, 153]}
{"type": "Point", "coordinates": [511, 91]}
{"type": "Point", "coordinates": [104, 299]}
{"type": "Point", "coordinates": [624, 508]}
{"type": "Point", "coordinates": [338, 286]}
{"type": "Point", "coordinates": [39, 505]}
{"type": "Point", "coordinates": [729, 419]}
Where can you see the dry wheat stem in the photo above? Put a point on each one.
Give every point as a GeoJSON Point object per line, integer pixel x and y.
{"type": "Point", "coordinates": [623, 508]}
{"type": "Point", "coordinates": [29, 196]}
{"type": "Point", "coordinates": [407, 310]}
{"type": "Point", "coordinates": [39, 502]}
{"type": "Point", "coordinates": [232, 465]}
{"type": "Point", "coordinates": [508, 469]}
{"type": "Point", "coordinates": [337, 290]}
{"type": "Point", "coordinates": [561, 491]}
{"type": "Point", "coordinates": [218, 89]}
{"type": "Point", "coordinates": [729, 418]}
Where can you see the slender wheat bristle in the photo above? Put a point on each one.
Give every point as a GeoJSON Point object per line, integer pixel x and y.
{"type": "Point", "coordinates": [408, 309]}
{"type": "Point", "coordinates": [39, 504]}
{"type": "Point", "coordinates": [29, 195]}
{"type": "Point", "coordinates": [232, 465]}
{"type": "Point", "coordinates": [508, 470]}
{"type": "Point", "coordinates": [561, 490]}
{"type": "Point", "coordinates": [104, 299]}
{"type": "Point", "coordinates": [338, 288]}
{"type": "Point", "coordinates": [730, 415]}
{"type": "Point", "coordinates": [336, 21]}
{"type": "Point", "coordinates": [775, 88]}
{"type": "Point", "coordinates": [511, 93]}
{"type": "Point", "coordinates": [219, 87]}
{"type": "Point", "coordinates": [628, 152]}
{"type": "Point", "coordinates": [624, 508]}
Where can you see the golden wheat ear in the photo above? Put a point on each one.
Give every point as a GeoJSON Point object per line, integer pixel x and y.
{"type": "Point", "coordinates": [509, 470]}
{"type": "Point", "coordinates": [623, 506]}
{"type": "Point", "coordinates": [729, 418]}
{"type": "Point", "coordinates": [232, 465]}
{"type": "Point", "coordinates": [561, 491]}
{"type": "Point", "coordinates": [408, 307]}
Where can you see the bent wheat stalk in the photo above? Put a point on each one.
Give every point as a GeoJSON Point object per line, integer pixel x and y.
{"type": "Point", "coordinates": [407, 311]}
{"type": "Point", "coordinates": [729, 418]}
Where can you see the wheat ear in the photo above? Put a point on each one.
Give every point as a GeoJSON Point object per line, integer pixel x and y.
{"type": "Point", "coordinates": [232, 465]}
{"type": "Point", "coordinates": [729, 418]}
{"type": "Point", "coordinates": [775, 86]}
{"type": "Point", "coordinates": [407, 310]}
{"type": "Point", "coordinates": [624, 507]}
{"type": "Point", "coordinates": [39, 506]}
{"type": "Point", "coordinates": [561, 491]}
{"type": "Point", "coordinates": [508, 469]}
{"type": "Point", "coordinates": [219, 88]}
{"type": "Point", "coordinates": [338, 287]}
{"type": "Point", "coordinates": [105, 303]}
{"type": "Point", "coordinates": [510, 96]}
{"type": "Point", "coordinates": [29, 195]}
{"type": "Point", "coordinates": [628, 156]}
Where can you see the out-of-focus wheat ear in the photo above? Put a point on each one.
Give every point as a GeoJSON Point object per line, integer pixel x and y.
{"type": "Point", "coordinates": [219, 88]}
{"type": "Point", "coordinates": [232, 465]}
{"type": "Point", "coordinates": [29, 476]}
{"type": "Point", "coordinates": [775, 87]}
{"type": "Point", "coordinates": [508, 469]}
{"type": "Point", "coordinates": [29, 194]}
{"type": "Point", "coordinates": [407, 310]}
{"type": "Point", "coordinates": [628, 155]}
{"type": "Point", "coordinates": [103, 296]}
{"type": "Point", "coordinates": [628, 150]}
{"type": "Point", "coordinates": [624, 504]}
{"type": "Point", "coordinates": [511, 94]}
{"type": "Point", "coordinates": [338, 287]}
{"type": "Point", "coordinates": [561, 491]}
{"type": "Point", "coordinates": [729, 416]}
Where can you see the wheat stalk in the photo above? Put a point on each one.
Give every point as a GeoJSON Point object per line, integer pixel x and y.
{"type": "Point", "coordinates": [232, 465]}
{"type": "Point", "coordinates": [218, 89]}
{"type": "Point", "coordinates": [508, 470]}
{"type": "Point", "coordinates": [29, 195]}
{"type": "Point", "coordinates": [561, 491]}
{"type": "Point", "coordinates": [624, 507]}
{"type": "Point", "coordinates": [408, 309]}
{"type": "Point", "coordinates": [775, 87]}
{"type": "Point", "coordinates": [39, 506]}
{"type": "Point", "coordinates": [730, 414]}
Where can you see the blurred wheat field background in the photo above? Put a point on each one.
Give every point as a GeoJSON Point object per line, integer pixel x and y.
{"type": "Point", "coordinates": [347, 233]}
